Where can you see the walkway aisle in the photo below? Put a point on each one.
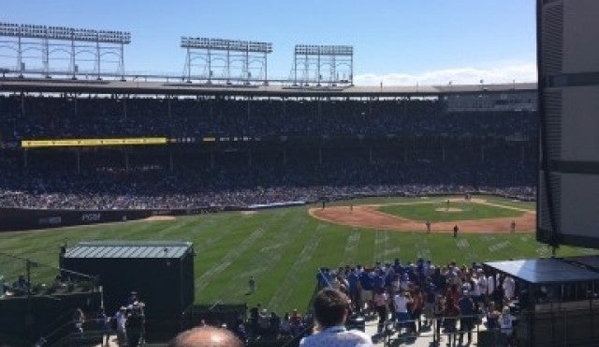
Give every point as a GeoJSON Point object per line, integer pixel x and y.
{"type": "Point", "coordinates": [424, 339]}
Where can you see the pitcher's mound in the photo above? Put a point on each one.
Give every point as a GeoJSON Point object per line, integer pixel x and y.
{"type": "Point", "coordinates": [451, 209]}
{"type": "Point", "coordinates": [159, 218]}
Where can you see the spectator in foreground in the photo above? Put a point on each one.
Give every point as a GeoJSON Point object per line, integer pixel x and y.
{"type": "Point", "coordinates": [120, 319]}
{"type": "Point", "coordinates": [451, 314]}
{"type": "Point", "coordinates": [331, 310]}
{"type": "Point", "coordinates": [206, 337]}
{"type": "Point", "coordinates": [104, 324]}
{"type": "Point", "coordinates": [135, 325]}
{"type": "Point", "coordinates": [78, 320]}
{"type": "Point", "coordinates": [506, 324]}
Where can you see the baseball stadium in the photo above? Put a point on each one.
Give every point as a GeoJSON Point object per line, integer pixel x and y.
{"type": "Point", "coordinates": [269, 186]}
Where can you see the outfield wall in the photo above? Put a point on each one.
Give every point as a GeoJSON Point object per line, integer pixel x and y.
{"type": "Point", "coordinates": [24, 218]}
{"type": "Point", "coordinates": [14, 219]}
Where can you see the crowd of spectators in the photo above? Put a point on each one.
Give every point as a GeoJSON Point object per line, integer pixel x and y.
{"type": "Point", "coordinates": [261, 323]}
{"type": "Point", "coordinates": [43, 117]}
{"type": "Point", "coordinates": [48, 184]}
{"type": "Point", "coordinates": [97, 179]}
{"type": "Point", "coordinates": [408, 298]}
{"type": "Point", "coordinates": [127, 324]}
{"type": "Point", "coordinates": [420, 296]}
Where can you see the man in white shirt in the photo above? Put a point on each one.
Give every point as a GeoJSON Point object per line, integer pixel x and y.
{"type": "Point", "coordinates": [482, 286]}
{"type": "Point", "coordinates": [475, 292]}
{"type": "Point", "coordinates": [401, 310]}
{"type": "Point", "coordinates": [491, 283]}
{"type": "Point", "coordinates": [121, 321]}
{"type": "Point", "coordinates": [331, 310]}
{"type": "Point", "coordinates": [509, 288]}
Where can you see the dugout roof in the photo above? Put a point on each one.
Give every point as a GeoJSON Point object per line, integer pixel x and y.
{"type": "Point", "coordinates": [128, 250]}
{"type": "Point", "coordinates": [545, 271]}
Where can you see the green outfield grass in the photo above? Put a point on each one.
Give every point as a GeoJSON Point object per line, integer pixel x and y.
{"type": "Point", "coordinates": [434, 211]}
{"type": "Point", "coordinates": [281, 248]}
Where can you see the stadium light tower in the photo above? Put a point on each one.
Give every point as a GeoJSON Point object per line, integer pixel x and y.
{"type": "Point", "coordinates": [226, 55]}
{"type": "Point", "coordinates": [51, 41]}
{"type": "Point", "coordinates": [311, 62]}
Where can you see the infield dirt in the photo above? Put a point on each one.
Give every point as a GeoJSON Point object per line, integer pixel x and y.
{"type": "Point", "coordinates": [368, 216]}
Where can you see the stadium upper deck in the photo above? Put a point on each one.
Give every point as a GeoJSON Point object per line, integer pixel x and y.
{"type": "Point", "coordinates": [141, 86]}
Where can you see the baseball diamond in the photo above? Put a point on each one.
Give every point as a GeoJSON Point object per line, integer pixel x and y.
{"type": "Point", "coordinates": [371, 217]}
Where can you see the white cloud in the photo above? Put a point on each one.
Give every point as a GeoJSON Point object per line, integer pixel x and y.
{"type": "Point", "coordinates": [467, 75]}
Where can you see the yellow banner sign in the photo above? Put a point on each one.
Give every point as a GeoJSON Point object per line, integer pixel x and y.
{"type": "Point", "coordinates": [94, 142]}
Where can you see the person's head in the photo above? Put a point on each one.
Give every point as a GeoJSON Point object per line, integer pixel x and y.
{"type": "Point", "coordinates": [206, 337]}
{"type": "Point", "coordinates": [331, 307]}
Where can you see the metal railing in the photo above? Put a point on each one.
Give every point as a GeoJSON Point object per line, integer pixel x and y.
{"type": "Point", "coordinates": [531, 329]}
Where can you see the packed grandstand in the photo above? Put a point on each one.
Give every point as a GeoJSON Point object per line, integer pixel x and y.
{"type": "Point", "coordinates": [241, 151]}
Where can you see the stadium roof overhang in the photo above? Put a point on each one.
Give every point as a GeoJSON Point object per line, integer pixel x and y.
{"type": "Point", "coordinates": [548, 270]}
{"type": "Point", "coordinates": [16, 85]}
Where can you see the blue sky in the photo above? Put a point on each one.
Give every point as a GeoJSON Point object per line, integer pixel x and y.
{"type": "Point", "coordinates": [399, 42]}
